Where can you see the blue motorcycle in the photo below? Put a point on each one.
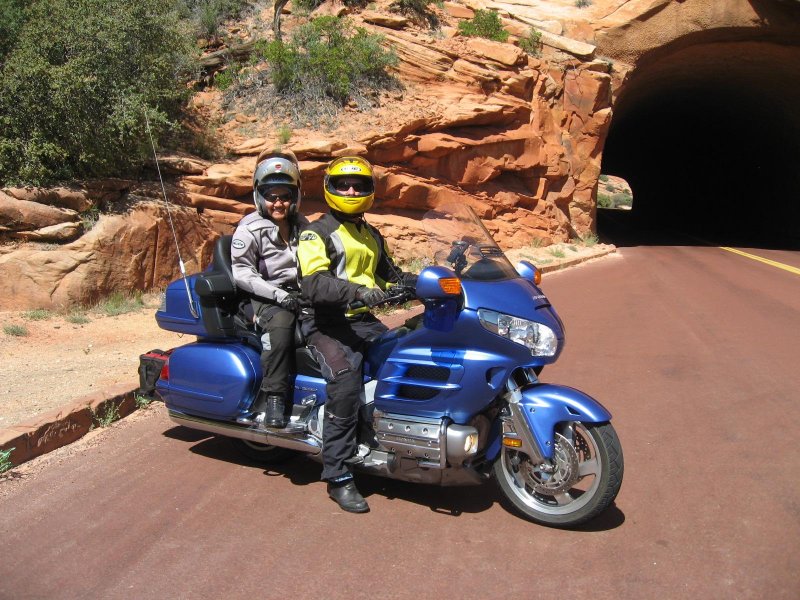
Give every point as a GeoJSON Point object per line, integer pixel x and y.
{"type": "Point", "coordinates": [452, 396]}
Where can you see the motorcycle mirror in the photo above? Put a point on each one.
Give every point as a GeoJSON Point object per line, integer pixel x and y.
{"type": "Point", "coordinates": [529, 271]}
{"type": "Point", "coordinates": [438, 282]}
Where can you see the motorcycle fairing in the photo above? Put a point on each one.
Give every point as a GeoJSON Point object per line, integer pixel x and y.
{"type": "Point", "coordinates": [516, 296]}
{"type": "Point", "coordinates": [426, 368]}
{"type": "Point", "coordinates": [546, 405]}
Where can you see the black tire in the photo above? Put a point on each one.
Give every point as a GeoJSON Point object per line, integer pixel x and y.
{"type": "Point", "coordinates": [264, 454]}
{"type": "Point", "coordinates": [587, 478]}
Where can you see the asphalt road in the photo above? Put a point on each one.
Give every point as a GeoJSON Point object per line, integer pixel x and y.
{"type": "Point", "coordinates": [693, 349]}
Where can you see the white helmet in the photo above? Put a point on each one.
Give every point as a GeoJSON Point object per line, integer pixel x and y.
{"type": "Point", "coordinates": [276, 168]}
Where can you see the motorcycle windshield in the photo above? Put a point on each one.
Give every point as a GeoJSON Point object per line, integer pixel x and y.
{"type": "Point", "coordinates": [459, 240]}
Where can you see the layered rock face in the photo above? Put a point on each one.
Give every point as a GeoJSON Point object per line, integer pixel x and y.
{"type": "Point", "coordinates": [517, 137]}
{"type": "Point", "coordinates": [129, 251]}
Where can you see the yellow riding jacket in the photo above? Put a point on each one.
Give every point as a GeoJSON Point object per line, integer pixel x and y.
{"type": "Point", "coordinates": [336, 257]}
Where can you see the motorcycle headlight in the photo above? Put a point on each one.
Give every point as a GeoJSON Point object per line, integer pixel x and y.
{"type": "Point", "coordinates": [540, 339]}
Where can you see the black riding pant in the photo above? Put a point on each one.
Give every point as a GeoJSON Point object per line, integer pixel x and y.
{"type": "Point", "coordinates": [277, 355]}
{"type": "Point", "coordinates": [338, 347]}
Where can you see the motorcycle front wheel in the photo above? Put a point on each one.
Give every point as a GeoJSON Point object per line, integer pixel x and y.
{"type": "Point", "coordinates": [582, 481]}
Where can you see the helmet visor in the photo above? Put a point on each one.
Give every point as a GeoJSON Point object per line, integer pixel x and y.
{"type": "Point", "coordinates": [351, 185]}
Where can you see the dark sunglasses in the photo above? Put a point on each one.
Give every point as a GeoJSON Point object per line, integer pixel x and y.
{"type": "Point", "coordinates": [342, 186]}
{"type": "Point", "coordinates": [272, 198]}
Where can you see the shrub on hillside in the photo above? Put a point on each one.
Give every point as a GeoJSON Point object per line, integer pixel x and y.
{"type": "Point", "coordinates": [485, 24]}
{"type": "Point", "coordinates": [76, 85]}
{"type": "Point", "coordinates": [417, 10]}
{"type": "Point", "coordinates": [604, 201]}
{"type": "Point", "coordinates": [328, 59]}
{"type": "Point", "coordinates": [12, 17]}
{"type": "Point", "coordinates": [532, 43]}
{"type": "Point", "coordinates": [307, 5]}
{"type": "Point", "coordinates": [208, 15]}
{"type": "Point", "coordinates": [622, 199]}
{"type": "Point", "coordinates": [310, 5]}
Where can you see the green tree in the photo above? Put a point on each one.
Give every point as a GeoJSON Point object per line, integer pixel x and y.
{"type": "Point", "coordinates": [78, 81]}
{"type": "Point", "coordinates": [12, 16]}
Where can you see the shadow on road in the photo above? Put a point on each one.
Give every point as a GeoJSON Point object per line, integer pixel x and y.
{"type": "Point", "coordinates": [449, 501]}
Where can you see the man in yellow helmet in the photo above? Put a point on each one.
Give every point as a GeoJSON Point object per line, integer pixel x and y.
{"type": "Point", "coordinates": [344, 260]}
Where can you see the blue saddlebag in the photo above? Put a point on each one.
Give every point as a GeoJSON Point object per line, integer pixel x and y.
{"type": "Point", "coordinates": [209, 379]}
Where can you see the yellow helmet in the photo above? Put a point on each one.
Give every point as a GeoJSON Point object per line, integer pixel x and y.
{"type": "Point", "coordinates": [356, 174]}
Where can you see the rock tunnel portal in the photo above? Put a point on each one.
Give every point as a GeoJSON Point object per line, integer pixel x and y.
{"type": "Point", "coordinates": [707, 133]}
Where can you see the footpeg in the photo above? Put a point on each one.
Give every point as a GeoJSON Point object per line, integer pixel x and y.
{"type": "Point", "coordinates": [295, 427]}
{"type": "Point", "coordinates": [359, 457]}
{"type": "Point", "coordinates": [291, 427]}
{"type": "Point", "coordinates": [251, 420]}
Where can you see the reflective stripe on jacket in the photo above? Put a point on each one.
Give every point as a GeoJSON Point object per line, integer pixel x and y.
{"type": "Point", "coordinates": [336, 257]}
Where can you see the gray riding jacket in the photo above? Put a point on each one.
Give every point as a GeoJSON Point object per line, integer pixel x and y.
{"type": "Point", "coordinates": [263, 263]}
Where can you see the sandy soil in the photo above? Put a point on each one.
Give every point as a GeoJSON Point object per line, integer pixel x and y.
{"type": "Point", "coordinates": [58, 361]}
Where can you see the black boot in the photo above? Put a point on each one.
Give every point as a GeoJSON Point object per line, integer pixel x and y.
{"type": "Point", "coordinates": [275, 416]}
{"type": "Point", "coordinates": [347, 497]}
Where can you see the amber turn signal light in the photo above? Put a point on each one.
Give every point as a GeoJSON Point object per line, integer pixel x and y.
{"type": "Point", "coordinates": [450, 285]}
{"type": "Point", "coordinates": [512, 442]}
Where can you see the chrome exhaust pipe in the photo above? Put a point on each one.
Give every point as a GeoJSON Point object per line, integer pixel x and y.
{"type": "Point", "coordinates": [299, 441]}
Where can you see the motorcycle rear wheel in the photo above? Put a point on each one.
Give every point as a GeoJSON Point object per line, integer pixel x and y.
{"type": "Point", "coordinates": [264, 454]}
{"type": "Point", "coordinates": [587, 475]}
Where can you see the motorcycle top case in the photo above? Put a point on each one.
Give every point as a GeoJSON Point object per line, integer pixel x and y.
{"type": "Point", "coordinates": [215, 380]}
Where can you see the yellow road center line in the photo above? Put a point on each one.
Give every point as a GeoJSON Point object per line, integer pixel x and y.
{"type": "Point", "coordinates": [767, 261]}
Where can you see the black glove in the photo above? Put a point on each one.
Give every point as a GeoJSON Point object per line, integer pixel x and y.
{"type": "Point", "coordinates": [370, 296]}
{"type": "Point", "coordinates": [291, 302]}
{"type": "Point", "coordinates": [409, 280]}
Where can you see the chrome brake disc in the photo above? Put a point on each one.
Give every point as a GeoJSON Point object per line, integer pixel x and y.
{"type": "Point", "coordinates": [562, 475]}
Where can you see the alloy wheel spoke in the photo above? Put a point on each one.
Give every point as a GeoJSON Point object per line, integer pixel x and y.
{"type": "Point", "coordinates": [589, 467]}
{"type": "Point", "coordinates": [563, 499]}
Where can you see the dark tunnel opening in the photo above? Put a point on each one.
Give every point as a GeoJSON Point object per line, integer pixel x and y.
{"type": "Point", "coordinates": [708, 137]}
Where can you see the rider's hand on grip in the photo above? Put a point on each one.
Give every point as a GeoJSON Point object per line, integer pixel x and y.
{"type": "Point", "coordinates": [409, 280]}
{"type": "Point", "coordinates": [370, 296]}
{"type": "Point", "coordinates": [290, 302]}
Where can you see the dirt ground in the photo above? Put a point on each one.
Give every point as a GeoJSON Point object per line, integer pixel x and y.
{"type": "Point", "coordinates": [58, 361]}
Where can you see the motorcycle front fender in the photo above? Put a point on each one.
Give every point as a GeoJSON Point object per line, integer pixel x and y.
{"type": "Point", "coordinates": [540, 407]}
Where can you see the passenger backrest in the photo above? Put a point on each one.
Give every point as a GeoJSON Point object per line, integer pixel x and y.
{"type": "Point", "coordinates": [222, 257]}
{"type": "Point", "coordinates": [216, 290]}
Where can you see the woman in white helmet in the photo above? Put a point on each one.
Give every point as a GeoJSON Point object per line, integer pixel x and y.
{"type": "Point", "coordinates": [264, 260]}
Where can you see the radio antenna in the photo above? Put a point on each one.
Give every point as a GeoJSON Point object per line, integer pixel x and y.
{"type": "Point", "coordinates": [192, 307]}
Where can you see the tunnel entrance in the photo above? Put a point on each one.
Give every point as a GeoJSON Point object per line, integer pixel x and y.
{"type": "Point", "coordinates": [707, 134]}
